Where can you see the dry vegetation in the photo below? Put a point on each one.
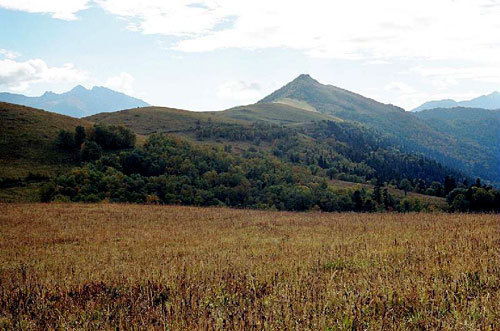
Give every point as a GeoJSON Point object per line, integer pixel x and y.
{"type": "Point", "coordinates": [106, 266]}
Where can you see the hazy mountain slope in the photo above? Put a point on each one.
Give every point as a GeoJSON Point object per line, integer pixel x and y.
{"type": "Point", "coordinates": [447, 103]}
{"type": "Point", "coordinates": [78, 102]}
{"type": "Point", "coordinates": [27, 140]}
{"type": "Point", "coordinates": [404, 128]}
{"type": "Point", "coordinates": [476, 126]}
{"type": "Point", "coordinates": [479, 125]}
{"type": "Point", "coordinates": [490, 101]}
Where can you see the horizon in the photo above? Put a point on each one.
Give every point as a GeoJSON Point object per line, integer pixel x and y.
{"type": "Point", "coordinates": [209, 55]}
{"type": "Point", "coordinates": [90, 88]}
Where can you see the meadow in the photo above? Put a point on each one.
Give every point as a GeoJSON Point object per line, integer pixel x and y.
{"type": "Point", "coordinates": [103, 266]}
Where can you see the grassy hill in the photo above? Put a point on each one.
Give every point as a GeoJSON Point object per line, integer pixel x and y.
{"type": "Point", "coordinates": [149, 120]}
{"type": "Point", "coordinates": [28, 155]}
{"type": "Point", "coordinates": [27, 141]}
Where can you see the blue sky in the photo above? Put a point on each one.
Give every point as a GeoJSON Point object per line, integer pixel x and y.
{"type": "Point", "coordinates": [214, 54]}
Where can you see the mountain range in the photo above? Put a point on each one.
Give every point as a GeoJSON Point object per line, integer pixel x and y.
{"type": "Point", "coordinates": [78, 102]}
{"type": "Point", "coordinates": [490, 101]}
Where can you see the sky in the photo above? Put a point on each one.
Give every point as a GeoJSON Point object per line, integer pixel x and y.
{"type": "Point", "coordinates": [216, 54]}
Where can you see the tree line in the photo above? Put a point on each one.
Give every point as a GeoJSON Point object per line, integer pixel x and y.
{"type": "Point", "coordinates": [170, 170]}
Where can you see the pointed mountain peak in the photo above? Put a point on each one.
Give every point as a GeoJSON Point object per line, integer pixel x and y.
{"type": "Point", "coordinates": [305, 78]}
{"type": "Point", "coordinates": [78, 88]}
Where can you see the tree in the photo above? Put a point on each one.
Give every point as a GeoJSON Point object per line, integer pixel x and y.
{"type": "Point", "coordinates": [405, 185]}
{"type": "Point", "coordinates": [451, 196]}
{"type": "Point", "coordinates": [47, 192]}
{"type": "Point", "coordinates": [65, 140]}
{"type": "Point", "coordinates": [358, 200]}
{"type": "Point", "coordinates": [437, 188]}
{"type": "Point", "coordinates": [387, 199]}
{"type": "Point", "coordinates": [90, 151]}
{"type": "Point", "coordinates": [460, 203]}
{"type": "Point", "coordinates": [80, 135]}
{"type": "Point", "coordinates": [377, 194]}
{"type": "Point", "coordinates": [331, 173]}
{"type": "Point", "coordinates": [449, 184]}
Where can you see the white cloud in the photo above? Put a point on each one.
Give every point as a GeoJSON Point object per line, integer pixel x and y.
{"type": "Point", "coordinates": [61, 9]}
{"type": "Point", "coordinates": [376, 32]}
{"type": "Point", "coordinates": [432, 29]}
{"type": "Point", "coordinates": [356, 29]}
{"type": "Point", "coordinates": [173, 17]}
{"type": "Point", "coordinates": [18, 76]}
{"type": "Point", "coordinates": [122, 83]}
{"type": "Point", "coordinates": [8, 54]}
{"type": "Point", "coordinates": [241, 91]}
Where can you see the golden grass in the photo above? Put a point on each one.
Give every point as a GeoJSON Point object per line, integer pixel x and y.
{"type": "Point", "coordinates": [128, 266]}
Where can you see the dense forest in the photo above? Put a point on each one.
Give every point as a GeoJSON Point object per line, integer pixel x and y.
{"type": "Point", "coordinates": [287, 173]}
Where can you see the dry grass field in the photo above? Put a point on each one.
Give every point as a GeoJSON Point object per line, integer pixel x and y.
{"type": "Point", "coordinates": [76, 266]}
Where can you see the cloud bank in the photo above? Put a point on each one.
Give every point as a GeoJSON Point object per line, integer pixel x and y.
{"type": "Point", "coordinates": [18, 76]}
{"type": "Point", "coordinates": [61, 9]}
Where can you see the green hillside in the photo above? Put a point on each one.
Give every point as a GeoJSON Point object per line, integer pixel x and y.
{"type": "Point", "coordinates": [27, 141]}
{"type": "Point", "coordinates": [346, 150]}
{"type": "Point", "coordinates": [407, 130]}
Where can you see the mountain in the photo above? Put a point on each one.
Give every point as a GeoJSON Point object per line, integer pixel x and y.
{"type": "Point", "coordinates": [405, 129]}
{"type": "Point", "coordinates": [490, 101]}
{"type": "Point", "coordinates": [78, 102]}
{"type": "Point", "coordinates": [446, 103]}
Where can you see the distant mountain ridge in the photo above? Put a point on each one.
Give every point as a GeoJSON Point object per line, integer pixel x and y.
{"type": "Point", "coordinates": [78, 102]}
{"type": "Point", "coordinates": [490, 101]}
